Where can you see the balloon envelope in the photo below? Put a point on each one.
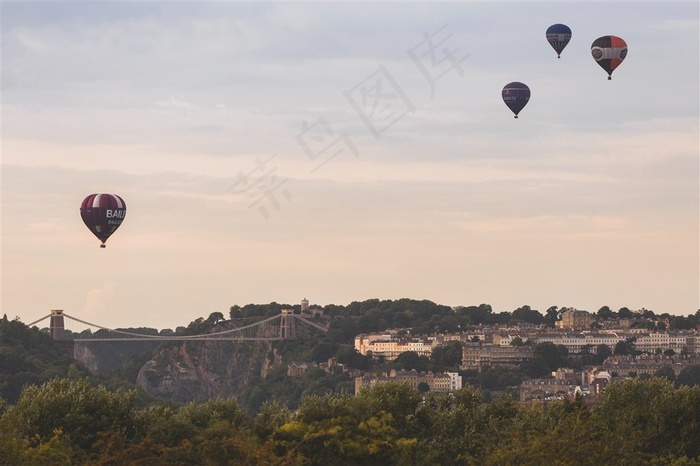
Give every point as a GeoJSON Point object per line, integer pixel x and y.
{"type": "Point", "coordinates": [516, 95]}
{"type": "Point", "coordinates": [103, 214]}
{"type": "Point", "coordinates": [558, 36]}
{"type": "Point", "coordinates": [609, 51]}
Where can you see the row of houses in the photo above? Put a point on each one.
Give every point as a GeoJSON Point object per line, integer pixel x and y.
{"type": "Point", "coordinates": [647, 341]}
{"type": "Point", "coordinates": [434, 382]}
{"type": "Point", "coordinates": [497, 347]}
{"type": "Point", "coordinates": [440, 383]}
{"type": "Point", "coordinates": [566, 384]}
{"type": "Point", "coordinates": [632, 366]}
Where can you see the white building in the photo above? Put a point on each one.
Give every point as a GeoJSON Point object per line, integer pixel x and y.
{"type": "Point", "coordinates": [646, 342]}
{"type": "Point", "coordinates": [455, 381]}
{"type": "Point", "coordinates": [390, 346]}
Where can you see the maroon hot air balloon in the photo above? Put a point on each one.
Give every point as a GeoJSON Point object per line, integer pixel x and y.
{"type": "Point", "coordinates": [102, 214]}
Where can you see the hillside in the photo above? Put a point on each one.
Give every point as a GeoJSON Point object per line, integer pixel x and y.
{"type": "Point", "coordinates": [28, 356]}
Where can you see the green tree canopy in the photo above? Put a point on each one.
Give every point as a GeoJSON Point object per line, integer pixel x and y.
{"type": "Point", "coordinates": [76, 408]}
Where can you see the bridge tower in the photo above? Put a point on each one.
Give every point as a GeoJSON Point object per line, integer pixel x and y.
{"type": "Point", "coordinates": [58, 332]}
{"type": "Point", "coordinates": [56, 327]}
{"type": "Point", "coordinates": [287, 328]}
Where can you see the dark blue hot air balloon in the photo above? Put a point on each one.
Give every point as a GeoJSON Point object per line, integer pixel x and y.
{"type": "Point", "coordinates": [516, 95]}
{"type": "Point", "coordinates": [558, 35]}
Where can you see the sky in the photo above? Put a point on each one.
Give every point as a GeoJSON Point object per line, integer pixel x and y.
{"type": "Point", "coordinates": [346, 151]}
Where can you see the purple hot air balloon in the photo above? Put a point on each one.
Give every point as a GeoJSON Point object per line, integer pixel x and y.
{"type": "Point", "coordinates": [516, 95]}
{"type": "Point", "coordinates": [103, 214]}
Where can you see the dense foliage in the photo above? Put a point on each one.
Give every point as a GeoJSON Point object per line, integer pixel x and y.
{"type": "Point", "coordinates": [30, 357]}
{"type": "Point", "coordinates": [71, 422]}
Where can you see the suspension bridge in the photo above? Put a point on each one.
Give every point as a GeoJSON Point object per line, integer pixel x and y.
{"type": "Point", "coordinates": [283, 326]}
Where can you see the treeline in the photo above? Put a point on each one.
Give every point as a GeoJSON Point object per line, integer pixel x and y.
{"type": "Point", "coordinates": [426, 317]}
{"type": "Point", "coordinates": [637, 422]}
{"type": "Point", "coordinates": [421, 316]}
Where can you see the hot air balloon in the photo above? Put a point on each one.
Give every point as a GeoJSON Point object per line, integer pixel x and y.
{"type": "Point", "coordinates": [103, 214]}
{"type": "Point", "coordinates": [609, 51]}
{"type": "Point", "coordinates": [558, 35]}
{"type": "Point", "coordinates": [516, 95]}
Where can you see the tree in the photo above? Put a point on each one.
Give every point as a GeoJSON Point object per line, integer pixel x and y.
{"type": "Point", "coordinates": [586, 351]}
{"type": "Point", "coordinates": [622, 348]}
{"type": "Point", "coordinates": [446, 357]}
{"type": "Point", "coordinates": [411, 360]}
{"type": "Point", "coordinates": [644, 419]}
{"type": "Point", "coordinates": [626, 347]}
{"type": "Point", "coordinates": [625, 313]}
{"type": "Point", "coordinates": [423, 387]}
{"type": "Point", "coordinates": [397, 399]}
{"type": "Point", "coordinates": [76, 408]}
{"type": "Point", "coordinates": [602, 352]}
{"type": "Point", "coordinates": [272, 415]}
{"type": "Point", "coordinates": [323, 351]}
{"type": "Point", "coordinates": [605, 313]}
{"type": "Point", "coordinates": [459, 429]}
{"type": "Point", "coordinates": [235, 312]}
{"type": "Point", "coordinates": [20, 451]}
{"type": "Point", "coordinates": [667, 373]}
{"type": "Point", "coordinates": [551, 316]}
{"type": "Point", "coordinates": [476, 315]}
{"type": "Point", "coordinates": [349, 356]}
{"type": "Point", "coordinates": [553, 356]}
{"type": "Point", "coordinates": [535, 368]}
{"type": "Point", "coordinates": [689, 376]}
{"type": "Point", "coordinates": [681, 323]}
{"type": "Point", "coordinates": [369, 428]}
{"type": "Point", "coordinates": [525, 314]}
{"type": "Point", "coordinates": [215, 317]}
{"type": "Point", "coordinates": [171, 426]}
{"type": "Point", "coordinates": [30, 357]}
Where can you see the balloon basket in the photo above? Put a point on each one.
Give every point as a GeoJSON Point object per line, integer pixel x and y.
{"type": "Point", "coordinates": [516, 116]}
{"type": "Point", "coordinates": [102, 246]}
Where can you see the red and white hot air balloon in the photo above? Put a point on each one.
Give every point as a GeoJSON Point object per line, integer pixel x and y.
{"type": "Point", "coordinates": [609, 52]}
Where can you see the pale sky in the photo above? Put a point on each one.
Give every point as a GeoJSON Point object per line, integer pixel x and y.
{"type": "Point", "coordinates": [193, 112]}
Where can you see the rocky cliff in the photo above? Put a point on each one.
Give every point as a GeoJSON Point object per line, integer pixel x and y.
{"type": "Point", "coordinates": [102, 358]}
{"type": "Point", "coordinates": [198, 371]}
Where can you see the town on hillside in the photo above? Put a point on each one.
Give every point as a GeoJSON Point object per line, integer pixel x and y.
{"type": "Point", "coordinates": [610, 349]}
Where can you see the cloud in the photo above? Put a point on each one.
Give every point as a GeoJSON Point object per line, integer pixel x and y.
{"type": "Point", "coordinates": [173, 102]}
{"type": "Point", "coordinates": [97, 300]}
{"type": "Point", "coordinates": [167, 104]}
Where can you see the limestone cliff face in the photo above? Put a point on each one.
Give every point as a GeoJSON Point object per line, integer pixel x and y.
{"type": "Point", "coordinates": [101, 358]}
{"type": "Point", "coordinates": [198, 371]}
{"type": "Point", "coordinates": [86, 357]}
